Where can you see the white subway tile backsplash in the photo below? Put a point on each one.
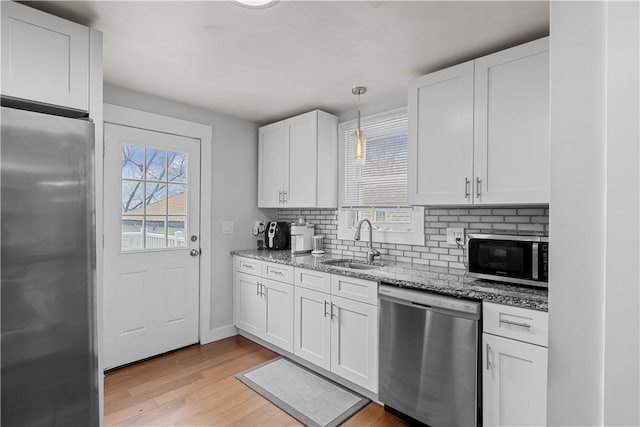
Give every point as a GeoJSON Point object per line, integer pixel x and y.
{"type": "Point", "coordinates": [436, 253]}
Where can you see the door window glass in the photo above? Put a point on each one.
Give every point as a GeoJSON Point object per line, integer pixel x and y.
{"type": "Point", "coordinates": [154, 198]}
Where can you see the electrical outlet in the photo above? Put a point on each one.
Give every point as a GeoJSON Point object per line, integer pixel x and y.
{"type": "Point", "coordinates": [455, 235]}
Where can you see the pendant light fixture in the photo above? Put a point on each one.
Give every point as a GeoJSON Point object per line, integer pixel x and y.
{"type": "Point", "coordinates": [358, 137]}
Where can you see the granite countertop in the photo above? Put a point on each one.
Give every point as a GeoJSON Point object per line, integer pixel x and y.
{"type": "Point", "coordinates": [438, 280]}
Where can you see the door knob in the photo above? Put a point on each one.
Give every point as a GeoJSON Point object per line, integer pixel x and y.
{"type": "Point", "coordinates": [194, 252]}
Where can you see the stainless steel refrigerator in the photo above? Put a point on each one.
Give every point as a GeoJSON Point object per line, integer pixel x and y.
{"type": "Point", "coordinates": [48, 349]}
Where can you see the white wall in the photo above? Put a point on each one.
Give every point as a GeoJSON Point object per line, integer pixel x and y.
{"type": "Point", "coordinates": [593, 290]}
{"type": "Point", "coordinates": [622, 280]}
{"type": "Point", "coordinates": [233, 191]}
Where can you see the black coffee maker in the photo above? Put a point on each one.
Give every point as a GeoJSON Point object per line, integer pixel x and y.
{"type": "Point", "coordinates": [277, 235]}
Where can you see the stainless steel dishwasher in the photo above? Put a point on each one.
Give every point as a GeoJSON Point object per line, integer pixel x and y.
{"type": "Point", "coordinates": [429, 351]}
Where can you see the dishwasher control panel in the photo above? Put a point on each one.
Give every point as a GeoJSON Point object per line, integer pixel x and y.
{"type": "Point", "coordinates": [430, 299]}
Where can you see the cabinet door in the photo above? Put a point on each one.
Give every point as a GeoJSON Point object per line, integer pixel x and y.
{"type": "Point", "coordinates": [441, 136]}
{"type": "Point", "coordinates": [511, 157]}
{"type": "Point", "coordinates": [514, 382]}
{"type": "Point", "coordinates": [354, 342]}
{"type": "Point", "coordinates": [278, 300]}
{"type": "Point", "coordinates": [44, 58]}
{"type": "Point", "coordinates": [302, 138]}
{"type": "Point", "coordinates": [272, 165]}
{"type": "Point", "coordinates": [250, 307]}
{"type": "Point", "coordinates": [312, 327]}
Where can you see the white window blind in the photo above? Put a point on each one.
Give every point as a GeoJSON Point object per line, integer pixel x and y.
{"type": "Point", "coordinates": [379, 179]}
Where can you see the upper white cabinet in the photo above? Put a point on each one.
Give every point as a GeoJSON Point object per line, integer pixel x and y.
{"type": "Point", "coordinates": [298, 160]}
{"type": "Point", "coordinates": [441, 136]}
{"type": "Point", "coordinates": [44, 58]}
{"type": "Point", "coordinates": [479, 131]}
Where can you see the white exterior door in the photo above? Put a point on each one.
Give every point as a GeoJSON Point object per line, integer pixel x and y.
{"type": "Point", "coordinates": [151, 243]}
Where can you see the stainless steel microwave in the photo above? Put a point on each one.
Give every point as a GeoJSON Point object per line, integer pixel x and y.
{"type": "Point", "coordinates": [513, 259]}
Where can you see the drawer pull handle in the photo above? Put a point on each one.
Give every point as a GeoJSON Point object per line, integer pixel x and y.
{"type": "Point", "coordinates": [522, 325]}
{"type": "Point", "coordinates": [247, 266]}
{"type": "Point", "coordinates": [279, 273]}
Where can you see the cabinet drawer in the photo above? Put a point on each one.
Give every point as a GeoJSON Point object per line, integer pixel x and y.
{"type": "Point", "coordinates": [248, 265]}
{"type": "Point", "coordinates": [515, 322]}
{"type": "Point", "coordinates": [355, 289]}
{"type": "Point", "coordinates": [312, 279]}
{"type": "Point", "coordinates": [279, 272]}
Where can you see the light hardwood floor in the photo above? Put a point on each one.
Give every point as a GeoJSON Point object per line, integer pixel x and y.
{"type": "Point", "coordinates": [196, 386]}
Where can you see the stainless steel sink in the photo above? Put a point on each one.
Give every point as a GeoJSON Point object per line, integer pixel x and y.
{"type": "Point", "coordinates": [354, 265]}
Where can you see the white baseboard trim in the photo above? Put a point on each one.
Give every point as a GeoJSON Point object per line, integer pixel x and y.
{"type": "Point", "coordinates": [217, 334]}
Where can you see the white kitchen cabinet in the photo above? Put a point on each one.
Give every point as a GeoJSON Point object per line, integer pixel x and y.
{"type": "Point", "coordinates": [278, 302]}
{"type": "Point", "coordinates": [297, 162]}
{"type": "Point", "coordinates": [250, 308]}
{"type": "Point", "coordinates": [479, 131]}
{"type": "Point", "coordinates": [45, 59]}
{"type": "Point", "coordinates": [514, 370]}
{"type": "Point", "coordinates": [511, 125]}
{"type": "Point", "coordinates": [263, 307]}
{"type": "Point", "coordinates": [354, 342]}
{"type": "Point", "coordinates": [441, 136]}
{"type": "Point", "coordinates": [273, 171]}
{"type": "Point", "coordinates": [336, 333]}
{"type": "Point", "coordinates": [312, 328]}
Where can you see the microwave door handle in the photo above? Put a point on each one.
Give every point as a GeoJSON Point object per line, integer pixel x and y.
{"type": "Point", "coordinates": [534, 261]}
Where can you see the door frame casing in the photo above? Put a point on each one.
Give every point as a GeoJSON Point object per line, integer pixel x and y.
{"type": "Point", "coordinates": [124, 116]}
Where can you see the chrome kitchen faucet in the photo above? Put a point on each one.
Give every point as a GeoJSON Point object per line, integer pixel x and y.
{"type": "Point", "coordinates": [371, 253]}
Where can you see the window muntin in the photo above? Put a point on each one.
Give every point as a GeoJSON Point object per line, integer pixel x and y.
{"type": "Point", "coordinates": [154, 198]}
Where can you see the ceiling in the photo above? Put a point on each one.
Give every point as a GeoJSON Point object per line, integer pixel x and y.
{"type": "Point", "coordinates": [267, 64]}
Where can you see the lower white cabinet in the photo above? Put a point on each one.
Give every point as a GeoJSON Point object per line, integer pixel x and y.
{"type": "Point", "coordinates": [312, 327]}
{"type": "Point", "coordinates": [264, 308]}
{"type": "Point", "coordinates": [336, 333]}
{"type": "Point", "coordinates": [514, 368]}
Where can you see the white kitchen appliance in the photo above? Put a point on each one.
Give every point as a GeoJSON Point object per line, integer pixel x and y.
{"type": "Point", "coordinates": [301, 237]}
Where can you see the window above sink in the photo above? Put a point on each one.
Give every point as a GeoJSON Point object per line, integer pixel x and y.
{"type": "Point", "coordinates": [375, 186]}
